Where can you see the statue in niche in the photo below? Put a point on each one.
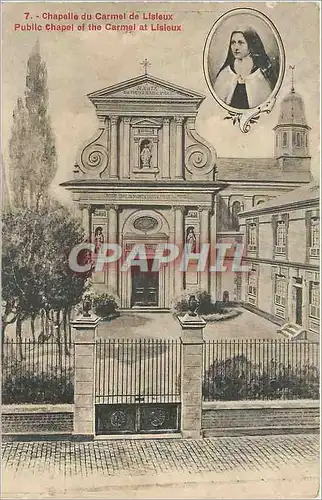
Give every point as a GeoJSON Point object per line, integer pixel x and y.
{"type": "Point", "coordinates": [99, 238]}
{"type": "Point", "coordinates": [145, 154]}
{"type": "Point", "coordinates": [191, 238]}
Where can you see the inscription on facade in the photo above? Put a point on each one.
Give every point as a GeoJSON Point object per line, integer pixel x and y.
{"type": "Point", "coordinates": [168, 197]}
{"type": "Point", "coordinates": [147, 89]}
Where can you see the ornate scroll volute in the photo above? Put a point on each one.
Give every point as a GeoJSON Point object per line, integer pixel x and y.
{"type": "Point", "coordinates": [93, 158]}
{"type": "Point", "coordinates": [199, 156]}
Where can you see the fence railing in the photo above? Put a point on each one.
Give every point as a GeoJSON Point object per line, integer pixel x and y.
{"type": "Point", "coordinates": [138, 371]}
{"type": "Point", "coordinates": [37, 372]}
{"type": "Point", "coordinates": [260, 369]}
{"type": "Point", "coordinates": [149, 370]}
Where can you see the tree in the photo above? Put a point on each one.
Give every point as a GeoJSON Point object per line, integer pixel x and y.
{"type": "Point", "coordinates": [63, 288]}
{"type": "Point", "coordinates": [6, 194]}
{"type": "Point", "coordinates": [18, 153]}
{"type": "Point", "coordinates": [32, 151]}
{"type": "Point", "coordinates": [35, 272]}
{"type": "Point", "coordinates": [21, 236]}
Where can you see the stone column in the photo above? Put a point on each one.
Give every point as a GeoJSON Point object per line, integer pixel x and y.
{"type": "Point", "coordinates": [126, 147]}
{"type": "Point", "coordinates": [84, 390]}
{"type": "Point", "coordinates": [204, 238]}
{"type": "Point", "coordinates": [191, 375]}
{"type": "Point", "coordinates": [86, 219]}
{"type": "Point", "coordinates": [112, 274]}
{"type": "Point", "coordinates": [166, 148]}
{"type": "Point", "coordinates": [113, 170]}
{"type": "Point", "coordinates": [179, 147]}
{"type": "Point", "coordinates": [179, 241]}
{"type": "Point", "coordinates": [212, 251]}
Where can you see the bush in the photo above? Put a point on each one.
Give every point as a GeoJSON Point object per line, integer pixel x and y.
{"type": "Point", "coordinates": [35, 388]}
{"type": "Point", "coordinates": [227, 313]}
{"type": "Point", "coordinates": [237, 378]}
{"type": "Point", "coordinates": [206, 304]}
{"type": "Point", "coordinates": [105, 305]}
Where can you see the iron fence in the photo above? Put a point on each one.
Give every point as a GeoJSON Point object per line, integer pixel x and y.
{"type": "Point", "coordinates": [138, 371]}
{"type": "Point", "coordinates": [260, 369]}
{"type": "Point", "coordinates": [37, 372]}
{"type": "Point", "coordinates": [149, 370]}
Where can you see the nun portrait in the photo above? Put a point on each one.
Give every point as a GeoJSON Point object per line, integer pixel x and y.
{"type": "Point", "coordinates": [247, 77]}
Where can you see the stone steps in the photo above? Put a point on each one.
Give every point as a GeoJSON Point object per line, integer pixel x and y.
{"type": "Point", "coordinates": [293, 331]}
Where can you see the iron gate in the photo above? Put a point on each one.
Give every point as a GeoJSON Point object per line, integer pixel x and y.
{"type": "Point", "coordinates": [138, 386]}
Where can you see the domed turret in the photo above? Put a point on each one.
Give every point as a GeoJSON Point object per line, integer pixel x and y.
{"type": "Point", "coordinates": [292, 131]}
{"type": "Point", "coordinates": [292, 110]}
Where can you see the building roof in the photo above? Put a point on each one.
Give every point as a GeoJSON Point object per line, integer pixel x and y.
{"type": "Point", "coordinates": [146, 87]}
{"type": "Point", "coordinates": [292, 110]}
{"type": "Point", "coordinates": [259, 169]}
{"type": "Point", "coordinates": [308, 193]}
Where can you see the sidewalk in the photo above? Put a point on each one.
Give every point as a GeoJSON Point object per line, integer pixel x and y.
{"type": "Point", "coordinates": [243, 467]}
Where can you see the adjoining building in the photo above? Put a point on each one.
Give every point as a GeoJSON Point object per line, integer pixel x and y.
{"type": "Point", "coordinates": [253, 181]}
{"type": "Point", "coordinates": [282, 239]}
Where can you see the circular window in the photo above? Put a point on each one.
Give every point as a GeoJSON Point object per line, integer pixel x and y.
{"type": "Point", "coordinates": [145, 223]}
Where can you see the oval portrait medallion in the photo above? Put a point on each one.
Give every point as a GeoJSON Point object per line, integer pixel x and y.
{"type": "Point", "coordinates": [244, 64]}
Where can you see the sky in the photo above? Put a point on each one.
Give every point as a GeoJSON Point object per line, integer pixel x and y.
{"type": "Point", "coordinates": [81, 62]}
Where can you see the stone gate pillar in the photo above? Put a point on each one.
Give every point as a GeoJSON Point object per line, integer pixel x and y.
{"type": "Point", "coordinates": [84, 389]}
{"type": "Point", "coordinates": [191, 375]}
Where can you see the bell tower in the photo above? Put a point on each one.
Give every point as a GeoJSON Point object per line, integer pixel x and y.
{"type": "Point", "coordinates": [292, 131]}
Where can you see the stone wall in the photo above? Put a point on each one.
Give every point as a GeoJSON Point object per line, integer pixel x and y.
{"type": "Point", "coordinates": [37, 419]}
{"type": "Point", "coordinates": [220, 418]}
{"type": "Point", "coordinates": [238, 418]}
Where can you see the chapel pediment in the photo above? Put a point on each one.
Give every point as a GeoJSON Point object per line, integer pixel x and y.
{"type": "Point", "coordinates": [145, 87]}
{"type": "Point", "coordinates": [146, 122]}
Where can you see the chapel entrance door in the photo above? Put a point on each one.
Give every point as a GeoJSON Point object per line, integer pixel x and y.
{"type": "Point", "coordinates": [145, 287]}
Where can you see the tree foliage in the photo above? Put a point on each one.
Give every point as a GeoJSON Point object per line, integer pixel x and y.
{"type": "Point", "coordinates": [35, 272]}
{"type": "Point", "coordinates": [32, 146]}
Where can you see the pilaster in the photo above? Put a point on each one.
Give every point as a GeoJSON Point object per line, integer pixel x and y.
{"type": "Point", "coordinates": [204, 239]}
{"type": "Point", "coordinates": [179, 147]}
{"type": "Point", "coordinates": [179, 241]}
{"type": "Point", "coordinates": [114, 169]}
{"type": "Point", "coordinates": [166, 148]}
{"type": "Point", "coordinates": [86, 219]}
{"type": "Point", "coordinates": [112, 270]}
{"type": "Point", "coordinates": [126, 147]}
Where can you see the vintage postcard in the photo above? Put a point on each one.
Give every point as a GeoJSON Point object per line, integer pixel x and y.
{"type": "Point", "coordinates": [160, 249]}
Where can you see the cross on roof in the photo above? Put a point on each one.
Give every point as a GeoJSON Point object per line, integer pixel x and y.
{"type": "Point", "coordinates": [145, 64]}
{"type": "Point", "coordinates": [292, 68]}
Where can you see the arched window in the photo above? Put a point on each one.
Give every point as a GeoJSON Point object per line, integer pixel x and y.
{"type": "Point", "coordinates": [235, 209]}
{"type": "Point", "coordinates": [306, 142]}
{"type": "Point", "coordinates": [276, 140]}
{"type": "Point", "coordinates": [284, 139]}
{"type": "Point", "coordinates": [259, 202]}
{"type": "Point", "coordinates": [293, 138]}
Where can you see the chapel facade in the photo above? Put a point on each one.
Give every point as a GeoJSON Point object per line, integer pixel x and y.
{"type": "Point", "coordinates": [147, 177]}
